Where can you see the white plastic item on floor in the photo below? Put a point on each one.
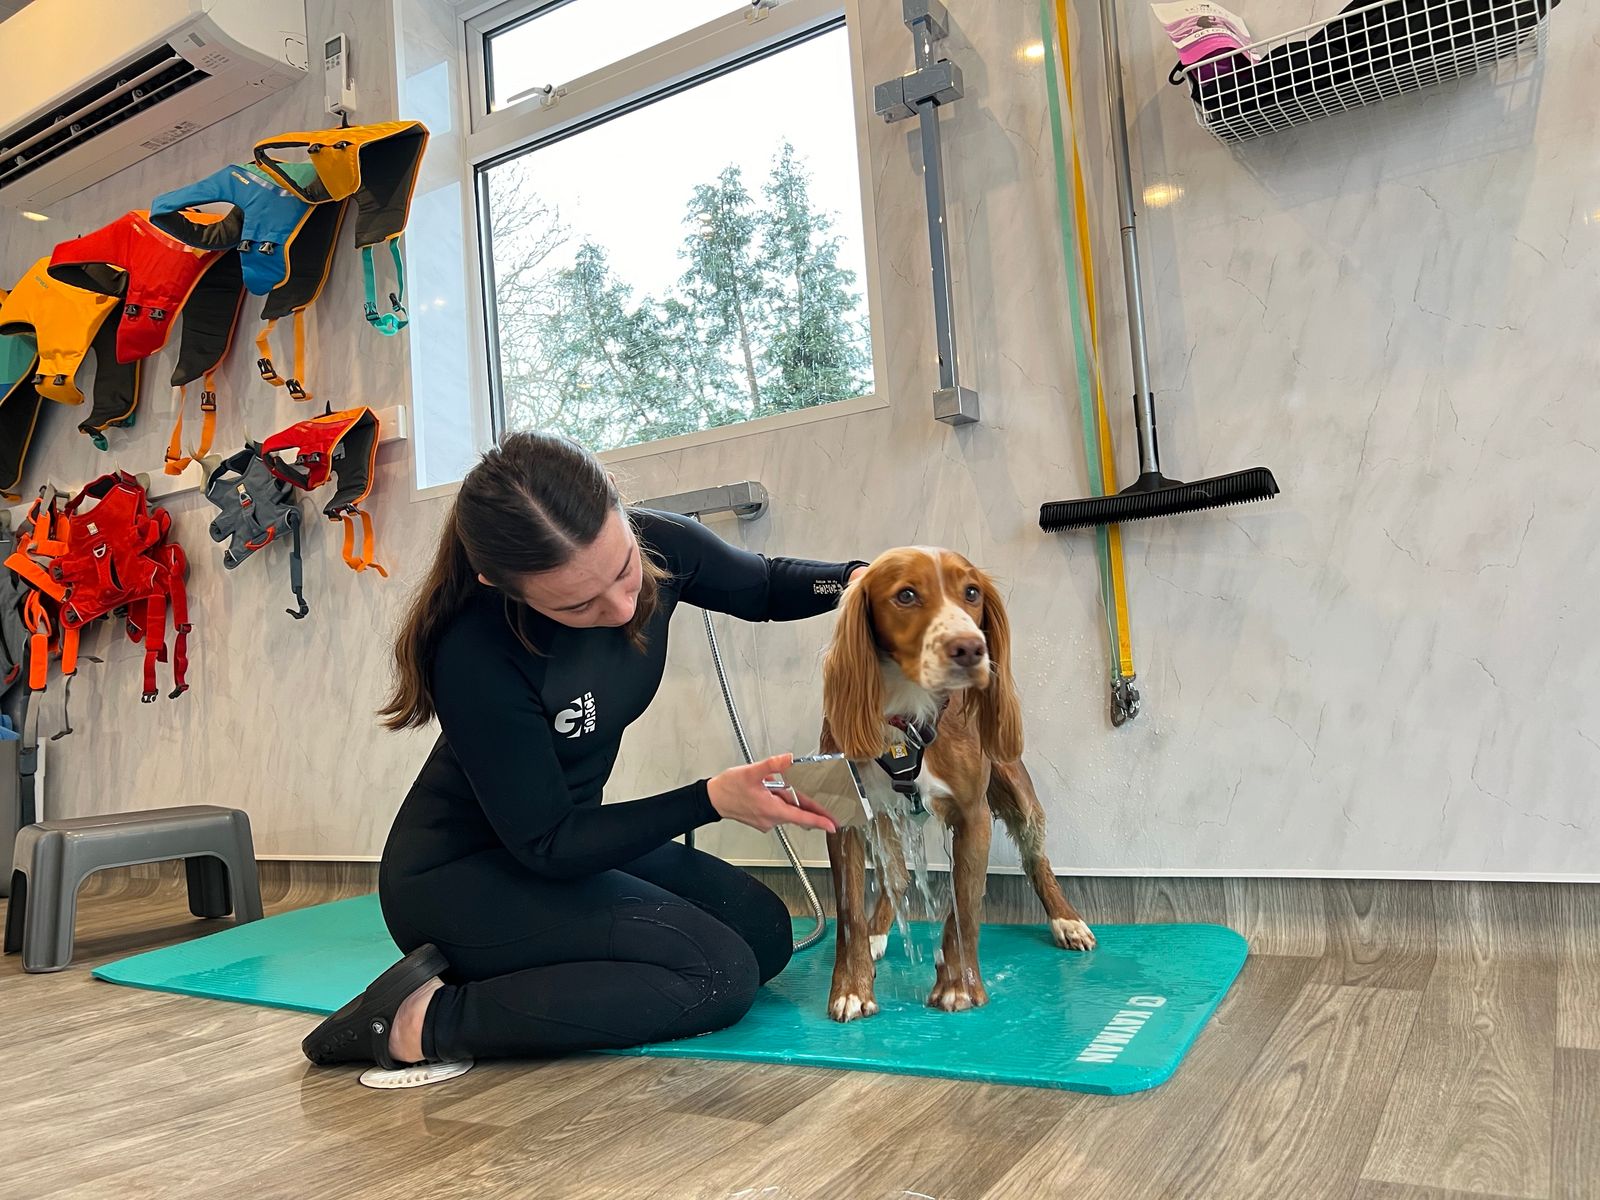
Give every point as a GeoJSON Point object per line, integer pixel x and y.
{"type": "Point", "coordinates": [417, 1075]}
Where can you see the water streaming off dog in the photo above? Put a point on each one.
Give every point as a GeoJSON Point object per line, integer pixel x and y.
{"type": "Point", "coordinates": [917, 902]}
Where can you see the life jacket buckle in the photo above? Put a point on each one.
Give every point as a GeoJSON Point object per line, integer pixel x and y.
{"type": "Point", "coordinates": [130, 311]}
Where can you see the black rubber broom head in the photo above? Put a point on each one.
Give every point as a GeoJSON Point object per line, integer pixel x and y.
{"type": "Point", "coordinates": [1154, 495]}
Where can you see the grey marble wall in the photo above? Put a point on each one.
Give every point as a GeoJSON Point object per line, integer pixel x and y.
{"type": "Point", "coordinates": [1381, 671]}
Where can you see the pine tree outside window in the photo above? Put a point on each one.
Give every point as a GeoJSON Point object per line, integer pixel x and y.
{"type": "Point", "coordinates": [687, 258]}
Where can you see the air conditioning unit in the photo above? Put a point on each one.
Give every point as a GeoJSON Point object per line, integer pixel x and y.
{"type": "Point", "coordinates": [93, 86]}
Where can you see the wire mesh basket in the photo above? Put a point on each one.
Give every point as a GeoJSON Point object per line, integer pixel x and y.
{"type": "Point", "coordinates": [1357, 58]}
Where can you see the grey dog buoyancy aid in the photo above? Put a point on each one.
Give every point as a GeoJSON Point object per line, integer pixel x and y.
{"type": "Point", "coordinates": [13, 628]}
{"type": "Point", "coordinates": [255, 508]}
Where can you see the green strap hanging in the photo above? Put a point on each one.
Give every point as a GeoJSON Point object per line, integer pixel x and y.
{"type": "Point", "coordinates": [392, 322]}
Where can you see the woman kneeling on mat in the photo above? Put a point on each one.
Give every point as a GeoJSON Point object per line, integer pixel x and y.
{"type": "Point", "coordinates": [536, 921]}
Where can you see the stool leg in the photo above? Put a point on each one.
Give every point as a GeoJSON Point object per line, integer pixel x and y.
{"type": "Point", "coordinates": [51, 910]}
{"type": "Point", "coordinates": [209, 894]}
{"type": "Point", "coordinates": [15, 909]}
{"type": "Point", "coordinates": [242, 869]}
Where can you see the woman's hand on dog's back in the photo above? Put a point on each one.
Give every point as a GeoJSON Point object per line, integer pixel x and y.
{"type": "Point", "coordinates": [740, 794]}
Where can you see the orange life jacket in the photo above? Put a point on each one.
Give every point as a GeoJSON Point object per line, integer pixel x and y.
{"type": "Point", "coordinates": [338, 445]}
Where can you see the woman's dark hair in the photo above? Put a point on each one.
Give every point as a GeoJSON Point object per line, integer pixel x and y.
{"type": "Point", "coordinates": [526, 507]}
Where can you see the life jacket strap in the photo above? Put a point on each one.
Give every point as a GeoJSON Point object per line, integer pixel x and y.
{"type": "Point", "coordinates": [364, 560]}
{"type": "Point", "coordinates": [393, 321]}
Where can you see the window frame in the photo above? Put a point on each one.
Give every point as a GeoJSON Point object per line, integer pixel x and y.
{"type": "Point", "coordinates": [718, 47]}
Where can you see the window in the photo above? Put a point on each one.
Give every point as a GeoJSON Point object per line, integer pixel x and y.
{"type": "Point", "coordinates": [677, 245]}
{"type": "Point", "coordinates": [558, 42]}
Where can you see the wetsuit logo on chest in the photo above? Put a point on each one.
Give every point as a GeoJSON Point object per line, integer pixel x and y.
{"type": "Point", "coordinates": [577, 718]}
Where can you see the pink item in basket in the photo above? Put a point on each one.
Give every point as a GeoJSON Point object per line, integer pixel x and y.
{"type": "Point", "coordinates": [1207, 33]}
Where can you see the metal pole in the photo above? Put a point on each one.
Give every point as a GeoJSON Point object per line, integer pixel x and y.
{"type": "Point", "coordinates": [935, 82]}
{"type": "Point", "coordinates": [1144, 408]}
{"type": "Point", "coordinates": [944, 325]}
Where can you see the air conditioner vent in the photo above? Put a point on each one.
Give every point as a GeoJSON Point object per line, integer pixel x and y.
{"type": "Point", "coordinates": [151, 79]}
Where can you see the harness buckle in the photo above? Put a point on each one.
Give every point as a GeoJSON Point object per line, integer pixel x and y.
{"type": "Point", "coordinates": [245, 245]}
{"type": "Point", "coordinates": [38, 379]}
{"type": "Point", "coordinates": [208, 402]}
{"type": "Point", "coordinates": [149, 697]}
{"type": "Point", "coordinates": [58, 381]}
{"type": "Point", "coordinates": [130, 311]}
{"type": "Point", "coordinates": [267, 247]}
{"type": "Point", "coordinates": [268, 372]}
{"type": "Point", "coordinates": [296, 389]}
{"type": "Point", "coordinates": [158, 314]}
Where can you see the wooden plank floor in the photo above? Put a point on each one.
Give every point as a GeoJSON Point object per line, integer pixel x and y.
{"type": "Point", "coordinates": [1384, 1042]}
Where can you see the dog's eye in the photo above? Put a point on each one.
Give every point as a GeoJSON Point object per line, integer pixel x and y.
{"type": "Point", "coordinates": [974, 594]}
{"type": "Point", "coordinates": [906, 597]}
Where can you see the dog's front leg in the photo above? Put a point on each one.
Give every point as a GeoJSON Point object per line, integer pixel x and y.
{"type": "Point", "coordinates": [959, 985]}
{"type": "Point", "coordinates": [851, 994]}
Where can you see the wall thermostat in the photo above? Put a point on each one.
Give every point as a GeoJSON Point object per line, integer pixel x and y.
{"type": "Point", "coordinates": [337, 88]}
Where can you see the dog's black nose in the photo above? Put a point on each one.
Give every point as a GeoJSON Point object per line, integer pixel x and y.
{"type": "Point", "coordinates": [967, 651]}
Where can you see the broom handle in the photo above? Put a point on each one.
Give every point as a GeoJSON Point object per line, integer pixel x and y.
{"type": "Point", "coordinates": [1144, 405]}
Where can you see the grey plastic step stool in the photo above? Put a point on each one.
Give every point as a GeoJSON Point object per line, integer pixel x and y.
{"type": "Point", "coordinates": [53, 858]}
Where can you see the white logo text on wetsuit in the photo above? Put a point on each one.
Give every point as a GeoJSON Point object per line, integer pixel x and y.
{"type": "Point", "coordinates": [577, 718]}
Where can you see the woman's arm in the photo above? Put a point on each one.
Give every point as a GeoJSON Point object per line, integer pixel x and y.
{"type": "Point", "coordinates": [501, 737]}
{"type": "Point", "coordinates": [750, 586]}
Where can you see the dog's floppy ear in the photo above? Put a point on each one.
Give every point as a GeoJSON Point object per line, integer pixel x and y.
{"type": "Point", "coordinates": [852, 680]}
{"type": "Point", "coordinates": [999, 711]}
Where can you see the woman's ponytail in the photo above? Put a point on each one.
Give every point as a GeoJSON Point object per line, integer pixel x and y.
{"type": "Point", "coordinates": [443, 594]}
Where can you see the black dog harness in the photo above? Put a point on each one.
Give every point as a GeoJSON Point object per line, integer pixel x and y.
{"type": "Point", "coordinates": [903, 763]}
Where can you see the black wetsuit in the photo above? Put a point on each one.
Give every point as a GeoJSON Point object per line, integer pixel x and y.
{"type": "Point", "coordinates": [569, 925]}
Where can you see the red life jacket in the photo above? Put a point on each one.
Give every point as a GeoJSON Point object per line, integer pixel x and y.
{"type": "Point", "coordinates": [338, 445]}
{"type": "Point", "coordinates": [151, 272]}
{"type": "Point", "coordinates": [92, 562]}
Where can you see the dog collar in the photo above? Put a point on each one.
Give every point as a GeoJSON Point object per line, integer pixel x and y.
{"type": "Point", "coordinates": [903, 763]}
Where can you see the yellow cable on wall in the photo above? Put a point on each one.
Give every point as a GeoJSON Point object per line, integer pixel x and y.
{"type": "Point", "coordinates": [1115, 583]}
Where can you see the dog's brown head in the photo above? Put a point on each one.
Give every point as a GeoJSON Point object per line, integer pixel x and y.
{"type": "Point", "coordinates": [933, 618]}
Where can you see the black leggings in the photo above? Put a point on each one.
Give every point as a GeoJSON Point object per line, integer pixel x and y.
{"type": "Point", "coordinates": [670, 945]}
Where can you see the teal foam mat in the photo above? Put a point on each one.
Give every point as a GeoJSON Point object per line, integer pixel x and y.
{"type": "Point", "coordinates": [1117, 1019]}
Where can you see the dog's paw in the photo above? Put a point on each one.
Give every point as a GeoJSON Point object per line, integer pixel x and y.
{"type": "Point", "coordinates": [1071, 935]}
{"type": "Point", "coordinates": [954, 995]}
{"type": "Point", "coordinates": [880, 945]}
{"type": "Point", "coordinates": [851, 1007]}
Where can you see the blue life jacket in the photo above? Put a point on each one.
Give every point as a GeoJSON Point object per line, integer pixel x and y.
{"type": "Point", "coordinates": [263, 221]}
